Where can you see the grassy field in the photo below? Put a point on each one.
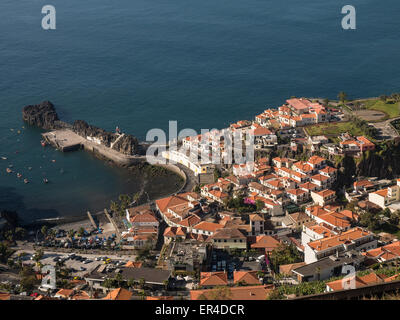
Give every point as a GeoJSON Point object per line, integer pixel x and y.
{"type": "Point", "coordinates": [334, 129]}
{"type": "Point", "coordinates": [391, 109]}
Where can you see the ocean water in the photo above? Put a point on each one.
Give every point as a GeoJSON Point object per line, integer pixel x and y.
{"type": "Point", "coordinates": [140, 63]}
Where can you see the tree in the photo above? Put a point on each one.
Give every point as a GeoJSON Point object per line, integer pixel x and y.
{"type": "Point", "coordinates": [383, 98]}
{"type": "Point", "coordinates": [284, 254]}
{"type": "Point", "coordinates": [114, 206]}
{"type": "Point", "coordinates": [71, 234]}
{"type": "Point", "coordinates": [166, 283]}
{"type": "Point", "coordinates": [342, 96]}
{"type": "Point", "coordinates": [38, 255]}
{"type": "Point", "coordinates": [259, 205]}
{"type": "Point", "coordinates": [142, 283]}
{"type": "Point", "coordinates": [44, 230]}
{"type": "Point", "coordinates": [326, 102]}
{"type": "Point", "coordinates": [5, 252]}
{"type": "Point", "coordinates": [81, 231]}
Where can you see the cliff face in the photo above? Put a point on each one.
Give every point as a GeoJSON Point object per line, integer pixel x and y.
{"type": "Point", "coordinates": [127, 144]}
{"type": "Point", "coordinates": [383, 163]}
{"type": "Point", "coordinates": [42, 115]}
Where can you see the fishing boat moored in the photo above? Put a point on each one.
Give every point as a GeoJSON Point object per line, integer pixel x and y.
{"type": "Point", "coordinates": [26, 181]}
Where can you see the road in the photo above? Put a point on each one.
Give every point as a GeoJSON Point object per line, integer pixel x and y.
{"type": "Point", "coordinates": [386, 130]}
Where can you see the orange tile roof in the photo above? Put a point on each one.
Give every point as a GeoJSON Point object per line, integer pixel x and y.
{"type": "Point", "coordinates": [316, 160]}
{"type": "Point", "coordinates": [299, 104]}
{"type": "Point", "coordinates": [118, 294]}
{"type": "Point", "coordinates": [336, 219]}
{"type": "Point", "coordinates": [134, 264]}
{"type": "Point", "coordinates": [247, 277]}
{"type": "Point", "coordinates": [4, 296]}
{"type": "Point", "coordinates": [308, 186]}
{"type": "Point", "coordinates": [233, 293]}
{"type": "Point", "coordinates": [382, 192]}
{"type": "Point", "coordinates": [213, 278]}
{"type": "Point", "coordinates": [208, 226]}
{"type": "Point", "coordinates": [65, 292]}
{"type": "Point", "coordinates": [359, 282]}
{"type": "Point", "coordinates": [320, 177]}
{"type": "Point", "coordinates": [345, 238]}
{"type": "Point", "coordinates": [303, 166]}
{"type": "Point", "coordinates": [296, 192]}
{"type": "Point", "coordinates": [81, 295]}
{"type": "Point", "coordinates": [145, 217]}
{"type": "Point", "coordinates": [287, 268]}
{"type": "Point", "coordinates": [328, 170]}
{"type": "Point", "coordinates": [165, 203]}
{"type": "Point", "coordinates": [256, 217]}
{"type": "Point", "coordinates": [388, 252]}
{"type": "Point", "coordinates": [326, 193]}
{"type": "Point", "coordinates": [267, 242]}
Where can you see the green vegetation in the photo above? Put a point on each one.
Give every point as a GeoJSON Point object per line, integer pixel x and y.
{"type": "Point", "coordinates": [342, 96]}
{"type": "Point", "coordinates": [390, 107]}
{"type": "Point", "coordinates": [238, 204]}
{"type": "Point", "coordinates": [334, 129]}
{"type": "Point", "coordinates": [5, 252]}
{"type": "Point", "coordinates": [284, 254]}
{"type": "Point", "coordinates": [355, 127]}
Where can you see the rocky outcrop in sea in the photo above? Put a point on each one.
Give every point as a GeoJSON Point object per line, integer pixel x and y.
{"type": "Point", "coordinates": [42, 115]}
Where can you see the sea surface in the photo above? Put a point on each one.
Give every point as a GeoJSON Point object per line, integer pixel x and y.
{"type": "Point", "coordinates": [137, 64]}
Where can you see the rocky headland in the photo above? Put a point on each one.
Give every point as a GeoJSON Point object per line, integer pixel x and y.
{"type": "Point", "coordinates": [44, 115]}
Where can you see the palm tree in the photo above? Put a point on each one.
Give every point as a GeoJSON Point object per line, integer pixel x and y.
{"type": "Point", "coordinates": [37, 256]}
{"type": "Point", "coordinates": [142, 282]}
{"type": "Point", "coordinates": [44, 230]}
{"type": "Point", "coordinates": [114, 207]}
{"type": "Point", "coordinates": [342, 96]}
{"type": "Point", "coordinates": [71, 233]}
{"type": "Point", "coordinates": [165, 283]}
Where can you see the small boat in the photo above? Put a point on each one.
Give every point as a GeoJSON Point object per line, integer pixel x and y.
{"type": "Point", "coordinates": [4, 158]}
{"type": "Point", "coordinates": [53, 160]}
{"type": "Point", "coordinates": [19, 175]}
{"type": "Point", "coordinates": [8, 170]}
{"type": "Point", "coordinates": [43, 143]}
{"type": "Point", "coordinates": [29, 168]}
{"type": "Point", "coordinates": [26, 181]}
{"type": "Point", "coordinates": [45, 180]}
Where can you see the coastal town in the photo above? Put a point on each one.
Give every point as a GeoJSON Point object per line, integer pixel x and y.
{"type": "Point", "coordinates": [316, 213]}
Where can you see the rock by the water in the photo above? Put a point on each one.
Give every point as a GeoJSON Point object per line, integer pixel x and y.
{"type": "Point", "coordinates": [127, 144]}
{"type": "Point", "coordinates": [42, 115]}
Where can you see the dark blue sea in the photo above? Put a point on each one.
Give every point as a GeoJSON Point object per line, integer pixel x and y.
{"type": "Point", "coordinates": [140, 63]}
